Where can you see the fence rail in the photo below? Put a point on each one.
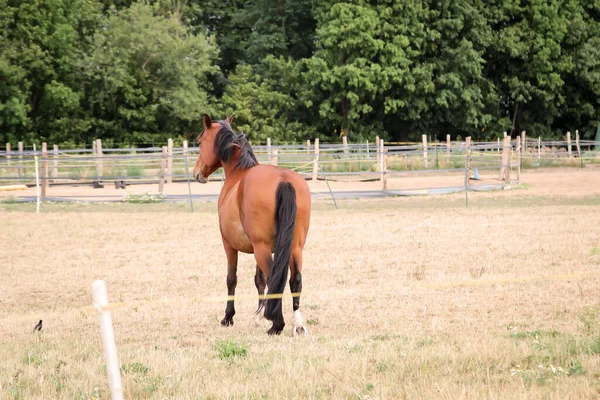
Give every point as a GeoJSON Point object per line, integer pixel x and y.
{"type": "Point", "coordinates": [344, 161]}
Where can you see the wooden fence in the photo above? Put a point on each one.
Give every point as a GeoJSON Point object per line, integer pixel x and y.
{"type": "Point", "coordinates": [314, 160]}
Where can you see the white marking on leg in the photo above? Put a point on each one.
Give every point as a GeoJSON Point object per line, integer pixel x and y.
{"type": "Point", "coordinates": [298, 327]}
{"type": "Point", "coordinates": [259, 318]}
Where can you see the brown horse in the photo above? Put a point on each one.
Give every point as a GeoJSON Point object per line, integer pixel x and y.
{"type": "Point", "coordinates": [263, 210]}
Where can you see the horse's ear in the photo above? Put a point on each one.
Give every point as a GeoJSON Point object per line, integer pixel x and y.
{"type": "Point", "coordinates": [230, 118]}
{"type": "Point", "coordinates": [207, 121]}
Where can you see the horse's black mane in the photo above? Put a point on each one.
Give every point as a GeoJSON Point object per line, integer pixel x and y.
{"type": "Point", "coordinates": [226, 141]}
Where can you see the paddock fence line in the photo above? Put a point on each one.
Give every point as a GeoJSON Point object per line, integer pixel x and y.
{"type": "Point", "coordinates": [351, 162]}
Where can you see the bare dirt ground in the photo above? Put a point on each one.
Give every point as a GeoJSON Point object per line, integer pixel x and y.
{"type": "Point", "coordinates": [404, 298]}
{"type": "Point", "coordinates": [551, 182]}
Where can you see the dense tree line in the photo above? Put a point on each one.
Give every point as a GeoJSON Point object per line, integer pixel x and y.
{"type": "Point", "coordinates": [139, 72]}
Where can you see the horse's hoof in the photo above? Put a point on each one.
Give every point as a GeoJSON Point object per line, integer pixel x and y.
{"type": "Point", "coordinates": [227, 322]}
{"type": "Point", "coordinates": [274, 331]}
{"type": "Point", "coordinates": [299, 331]}
{"type": "Point", "coordinates": [260, 321]}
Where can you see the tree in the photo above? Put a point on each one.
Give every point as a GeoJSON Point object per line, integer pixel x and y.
{"type": "Point", "coordinates": [527, 62]}
{"type": "Point", "coordinates": [147, 77]}
{"type": "Point", "coordinates": [40, 44]}
{"type": "Point", "coordinates": [433, 56]}
{"type": "Point", "coordinates": [263, 107]}
{"type": "Point", "coordinates": [345, 69]}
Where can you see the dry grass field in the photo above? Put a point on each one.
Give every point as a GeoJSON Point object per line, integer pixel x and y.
{"type": "Point", "coordinates": [404, 298]}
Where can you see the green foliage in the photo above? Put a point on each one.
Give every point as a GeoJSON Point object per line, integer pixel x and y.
{"type": "Point", "coordinates": [227, 349]}
{"type": "Point", "coordinates": [135, 368]}
{"type": "Point", "coordinates": [147, 75]}
{"type": "Point", "coordinates": [144, 198]}
{"type": "Point", "coordinates": [139, 72]}
{"type": "Point", "coordinates": [264, 107]}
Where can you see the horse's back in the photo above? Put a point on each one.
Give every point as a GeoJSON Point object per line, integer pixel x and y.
{"type": "Point", "coordinates": [257, 199]}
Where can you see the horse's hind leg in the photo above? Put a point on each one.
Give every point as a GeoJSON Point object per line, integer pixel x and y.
{"type": "Point", "coordinates": [298, 327]}
{"type": "Point", "coordinates": [264, 259]}
{"type": "Point", "coordinates": [232, 260]}
{"type": "Point", "coordinates": [260, 280]}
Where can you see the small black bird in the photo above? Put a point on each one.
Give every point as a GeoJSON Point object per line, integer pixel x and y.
{"type": "Point", "coordinates": [38, 327]}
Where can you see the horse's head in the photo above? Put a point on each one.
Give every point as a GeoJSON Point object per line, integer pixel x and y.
{"type": "Point", "coordinates": [208, 157]}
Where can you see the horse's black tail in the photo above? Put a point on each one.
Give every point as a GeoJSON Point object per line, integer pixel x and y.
{"type": "Point", "coordinates": [285, 217]}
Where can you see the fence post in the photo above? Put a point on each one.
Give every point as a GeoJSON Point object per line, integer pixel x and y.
{"type": "Point", "coordinates": [377, 140]}
{"type": "Point", "coordinates": [274, 159]}
{"type": "Point", "coordinates": [99, 162]}
{"type": "Point", "coordinates": [524, 140]}
{"type": "Point", "coordinates": [384, 169]}
{"type": "Point", "coordinates": [505, 158]}
{"type": "Point", "coordinates": [163, 165]}
{"type": "Point", "coordinates": [55, 163]}
{"type": "Point", "coordinates": [37, 179]}
{"type": "Point", "coordinates": [108, 340]}
{"type": "Point", "coordinates": [509, 162]}
{"type": "Point", "coordinates": [381, 159]}
{"type": "Point", "coordinates": [467, 159]}
{"type": "Point", "coordinates": [448, 144]}
{"type": "Point", "coordinates": [345, 144]}
{"type": "Point", "coordinates": [519, 144]}
{"type": "Point", "coordinates": [20, 148]}
{"type": "Point", "coordinates": [498, 145]}
{"type": "Point", "coordinates": [539, 149]}
{"type": "Point", "coordinates": [170, 161]}
{"type": "Point", "coordinates": [185, 159]}
{"type": "Point", "coordinates": [467, 166]}
{"type": "Point", "coordinates": [8, 157]}
{"type": "Point", "coordinates": [578, 148]}
{"type": "Point", "coordinates": [316, 161]}
{"type": "Point", "coordinates": [425, 151]}
{"type": "Point", "coordinates": [569, 144]}
{"type": "Point", "coordinates": [269, 151]}
{"type": "Point", "coordinates": [44, 168]}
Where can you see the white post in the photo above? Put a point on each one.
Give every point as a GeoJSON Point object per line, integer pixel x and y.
{"type": "Point", "coordinates": [425, 151]}
{"type": "Point", "coordinates": [108, 340]}
{"type": "Point", "coordinates": [316, 161]}
{"type": "Point", "coordinates": [269, 150]}
{"type": "Point", "coordinates": [37, 179]}
{"type": "Point", "coordinates": [170, 161]}
{"type": "Point", "coordinates": [381, 158]}
{"type": "Point", "coordinates": [55, 166]}
{"type": "Point", "coordinates": [377, 146]}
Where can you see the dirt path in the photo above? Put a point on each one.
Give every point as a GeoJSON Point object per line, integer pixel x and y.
{"type": "Point", "coordinates": [554, 182]}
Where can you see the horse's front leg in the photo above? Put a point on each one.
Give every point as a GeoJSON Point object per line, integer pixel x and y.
{"type": "Point", "coordinates": [232, 260]}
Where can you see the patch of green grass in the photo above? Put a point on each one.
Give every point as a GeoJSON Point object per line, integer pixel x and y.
{"type": "Point", "coordinates": [78, 173]}
{"type": "Point", "coordinates": [144, 198]}
{"type": "Point", "coordinates": [595, 251]}
{"type": "Point", "coordinates": [9, 200]}
{"type": "Point", "coordinates": [135, 368]}
{"type": "Point", "coordinates": [576, 368]}
{"type": "Point", "coordinates": [134, 170]}
{"type": "Point", "coordinates": [32, 359]}
{"type": "Point", "coordinates": [536, 334]}
{"type": "Point", "coordinates": [589, 320]}
{"type": "Point", "coordinates": [228, 349]}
